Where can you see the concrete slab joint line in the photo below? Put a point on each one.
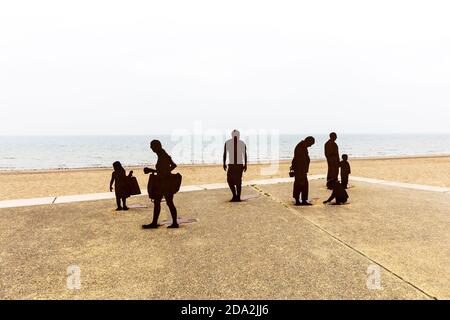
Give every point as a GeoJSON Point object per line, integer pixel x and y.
{"type": "Point", "coordinates": [109, 195]}
{"type": "Point", "coordinates": [297, 213]}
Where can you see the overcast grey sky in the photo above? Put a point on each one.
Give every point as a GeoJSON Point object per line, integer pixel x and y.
{"type": "Point", "coordinates": [139, 67]}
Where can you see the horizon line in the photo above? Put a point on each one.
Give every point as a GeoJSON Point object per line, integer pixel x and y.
{"type": "Point", "coordinates": [190, 133]}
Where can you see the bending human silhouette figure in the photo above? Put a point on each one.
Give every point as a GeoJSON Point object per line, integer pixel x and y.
{"type": "Point", "coordinates": [121, 187]}
{"type": "Point", "coordinates": [236, 150]}
{"type": "Point", "coordinates": [300, 166]}
{"type": "Point", "coordinates": [163, 185]}
{"type": "Point", "coordinates": [332, 155]}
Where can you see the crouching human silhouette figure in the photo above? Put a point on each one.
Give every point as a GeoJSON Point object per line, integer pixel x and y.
{"type": "Point", "coordinates": [237, 164]}
{"type": "Point", "coordinates": [339, 193]}
{"type": "Point", "coordinates": [163, 185]}
{"type": "Point", "coordinates": [300, 167]}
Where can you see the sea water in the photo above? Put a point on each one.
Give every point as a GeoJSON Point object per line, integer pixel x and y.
{"type": "Point", "coordinates": [59, 152]}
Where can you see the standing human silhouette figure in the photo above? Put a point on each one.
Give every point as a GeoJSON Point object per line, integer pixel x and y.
{"type": "Point", "coordinates": [237, 164]}
{"type": "Point", "coordinates": [164, 185]}
{"type": "Point", "coordinates": [300, 166]}
{"type": "Point", "coordinates": [332, 155]}
{"type": "Point", "coordinates": [345, 170]}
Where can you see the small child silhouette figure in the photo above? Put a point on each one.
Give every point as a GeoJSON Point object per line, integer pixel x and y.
{"type": "Point", "coordinates": [345, 170]}
{"type": "Point", "coordinates": [339, 193]}
{"type": "Point", "coordinates": [120, 181]}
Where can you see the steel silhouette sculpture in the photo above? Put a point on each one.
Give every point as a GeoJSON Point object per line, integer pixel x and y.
{"type": "Point", "coordinates": [236, 152]}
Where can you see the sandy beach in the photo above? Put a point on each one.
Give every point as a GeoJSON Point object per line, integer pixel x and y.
{"type": "Point", "coordinates": [31, 184]}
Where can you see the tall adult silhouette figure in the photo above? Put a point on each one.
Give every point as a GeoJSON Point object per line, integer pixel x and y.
{"type": "Point", "coordinates": [237, 164]}
{"type": "Point", "coordinates": [300, 166]}
{"type": "Point", "coordinates": [333, 160]}
{"type": "Point", "coordinates": [164, 185]}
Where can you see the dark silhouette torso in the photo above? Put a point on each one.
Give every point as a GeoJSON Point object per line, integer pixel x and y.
{"type": "Point", "coordinates": [301, 160]}
{"type": "Point", "coordinates": [120, 183]}
{"type": "Point", "coordinates": [164, 165]}
{"type": "Point", "coordinates": [332, 155]}
{"type": "Point", "coordinates": [345, 168]}
{"type": "Point", "coordinates": [331, 150]}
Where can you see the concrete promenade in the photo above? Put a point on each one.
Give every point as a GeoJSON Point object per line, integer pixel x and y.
{"type": "Point", "coordinates": [262, 248]}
